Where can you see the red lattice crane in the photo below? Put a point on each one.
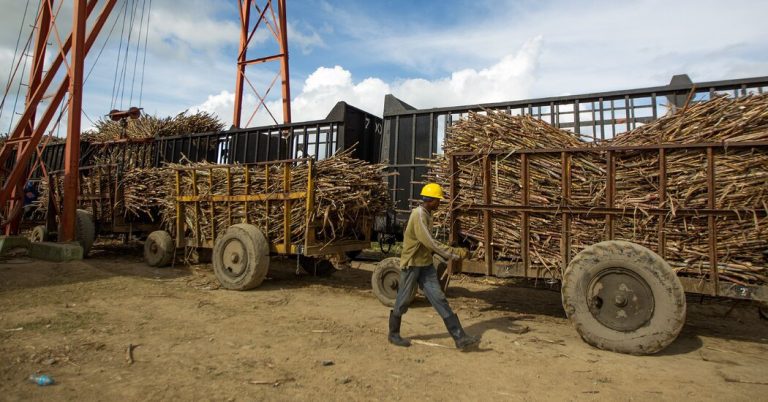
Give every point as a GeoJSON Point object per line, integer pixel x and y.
{"type": "Point", "coordinates": [28, 132]}
{"type": "Point", "coordinates": [275, 23]}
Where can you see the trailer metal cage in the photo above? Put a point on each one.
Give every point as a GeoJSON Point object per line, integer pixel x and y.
{"type": "Point", "coordinates": [233, 206]}
{"type": "Point", "coordinates": [411, 136]}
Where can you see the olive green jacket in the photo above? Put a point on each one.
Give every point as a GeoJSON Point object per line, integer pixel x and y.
{"type": "Point", "coordinates": [418, 243]}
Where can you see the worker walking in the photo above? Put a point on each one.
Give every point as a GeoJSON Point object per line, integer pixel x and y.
{"type": "Point", "coordinates": [416, 268]}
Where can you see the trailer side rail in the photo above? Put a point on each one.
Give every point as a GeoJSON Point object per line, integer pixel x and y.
{"type": "Point", "coordinates": [566, 210]}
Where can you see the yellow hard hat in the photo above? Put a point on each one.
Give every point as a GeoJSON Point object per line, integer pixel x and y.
{"type": "Point", "coordinates": [432, 190]}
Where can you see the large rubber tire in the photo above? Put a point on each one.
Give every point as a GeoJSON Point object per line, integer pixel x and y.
{"type": "Point", "coordinates": [85, 230]}
{"type": "Point", "coordinates": [623, 297]}
{"type": "Point", "coordinates": [39, 233]}
{"type": "Point", "coordinates": [316, 266]}
{"type": "Point", "coordinates": [385, 281]}
{"type": "Point", "coordinates": [159, 249]}
{"type": "Point", "coordinates": [241, 257]}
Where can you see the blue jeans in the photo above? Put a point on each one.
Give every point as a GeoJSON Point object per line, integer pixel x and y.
{"type": "Point", "coordinates": [426, 277]}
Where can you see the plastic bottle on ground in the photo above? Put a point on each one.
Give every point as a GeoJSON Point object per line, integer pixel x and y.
{"type": "Point", "coordinates": [41, 380]}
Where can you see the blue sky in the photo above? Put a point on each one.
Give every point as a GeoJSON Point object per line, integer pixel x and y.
{"type": "Point", "coordinates": [428, 53]}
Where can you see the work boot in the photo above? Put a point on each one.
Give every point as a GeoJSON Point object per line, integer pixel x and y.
{"type": "Point", "coordinates": [394, 331]}
{"type": "Point", "coordinates": [457, 333]}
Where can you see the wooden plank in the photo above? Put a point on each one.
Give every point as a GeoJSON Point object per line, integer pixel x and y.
{"type": "Point", "coordinates": [712, 224]}
{"type": "Point", "coordinates": [212, 207]}
{"type": "Point", "coordinates": [247, 186]}
{"type": "Point", "coordinates": [198, 229]}
{"type": "Point", "coordinates": [525, 235]}
{"type": "Point", "coordinates": [309, 234]}
{"type": "Point", "coordinates": [453, 235]}
{"type": "Point", "coordinates": [287, 206]}
{"type": "Point", "coordinates": [267, 205]}
{"type": "Point", "coordinates": [296, 195]}
{"type": "Point", "coordinates": [337, 247]}
{"type": "Point", "coordinates": [610, 194]}
{"type": "Point", "coordinates": [487, 216]}
{"type": "Point", "coordinates": [179, 214]}
{"type": "Point", "coordinates": [229, 193]}
{"type": "Point", "coordinates": [565, 235]}
{"type": "Point", "coordinates": [725, 289]}
{"type": "Point", "coordinates": [662, 250]}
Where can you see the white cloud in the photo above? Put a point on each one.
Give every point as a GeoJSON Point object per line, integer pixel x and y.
{"type": "Point", "coordinates": [223, 104]}
{"type": "Point", "coordinates": [590, 46]}
{"type": "Point", "coordinates": [483, 54]}
{"type": "Point", "coordinates": [192, 30]}
{"type": "Point", "coordinates": [306, 41]}
{"type": "Point", "coordinates": [220, 104]}
{"type": "Point", "coordinates": [509, 78]}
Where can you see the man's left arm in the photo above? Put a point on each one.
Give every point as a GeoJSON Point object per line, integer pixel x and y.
{"type": "Point", "coordinates": [424, 236]}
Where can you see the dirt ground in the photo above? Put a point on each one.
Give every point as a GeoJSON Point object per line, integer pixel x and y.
{"type": "Point", "coordinates": [305, 338]}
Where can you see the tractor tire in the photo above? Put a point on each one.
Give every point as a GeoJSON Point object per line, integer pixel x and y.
{"type": "Point", "coordinates": [316, 266]}
{"type": "Point", "coordinates": [386, 280]}
{"type": "Point", "coordinates": [159, 249]}
{"type": "Point", "coordinates": [624, 298]}
{"type": "Point", "coordinates": [85, 230]}
{"type": "Point", "coordinates": [241, 257]}
{"type": "Point", "coordinates": [39, 233]}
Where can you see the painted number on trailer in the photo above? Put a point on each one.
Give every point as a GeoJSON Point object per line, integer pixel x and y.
{"type": "Point", "coordinates": [378, 128]}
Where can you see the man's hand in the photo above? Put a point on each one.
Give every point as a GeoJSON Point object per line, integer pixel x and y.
{"type": "Point", "coordinates": [461, 252]}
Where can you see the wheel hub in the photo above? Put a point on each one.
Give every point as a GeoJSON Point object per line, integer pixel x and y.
{"type": "Point", "coordinates": [620, 299]}
{"type": "Point", "coordinates": [233, 257]}
{"type": "Point", "coordinates": [390, 283]}
{"type": "Point", "coordinates": [153, 248]}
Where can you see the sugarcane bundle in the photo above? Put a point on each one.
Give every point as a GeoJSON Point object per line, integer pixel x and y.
{"type": "Point", "coordinates": [43, 187]}
{"type": "Point", "coordinates": [347, 191]}
{"type": "Point", "coordinates": [97, 192]}
{"type": "Point", "coordinates": [96, 184]}
{"type": "Point", "coordinates": [483, 133]}
{"type": "Point", "coordinates": [741, 186]}
{"type": "Point", "coordinates": [148, 126]}
{"type": "Point", "coordinates": [127, 155]}
{"type": "Point", "coordinates": [720, 119]}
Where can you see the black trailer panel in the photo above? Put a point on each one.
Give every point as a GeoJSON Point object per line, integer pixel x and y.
{"type": "Point", "coordinates": [345, 127]}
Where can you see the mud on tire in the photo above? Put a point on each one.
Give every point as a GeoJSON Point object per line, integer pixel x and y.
{"type": "Point", "coordinates": [385, 281]}
{"type": "Point", "coordinates": [85, 230]}
{"type": "Point", "coordinates": [39, 233]}
{"type": "Point", "coordinates": [159, 249]}
{"type": "Point", "coordinates": [623, 297]}
{"type": "Point", "coordinates": [241, 257]}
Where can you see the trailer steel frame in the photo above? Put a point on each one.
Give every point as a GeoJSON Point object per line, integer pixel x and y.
{"type": "Point", "coordinates": [191, 203]}
{"type": "Point", "coordinates": [708, 285]}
